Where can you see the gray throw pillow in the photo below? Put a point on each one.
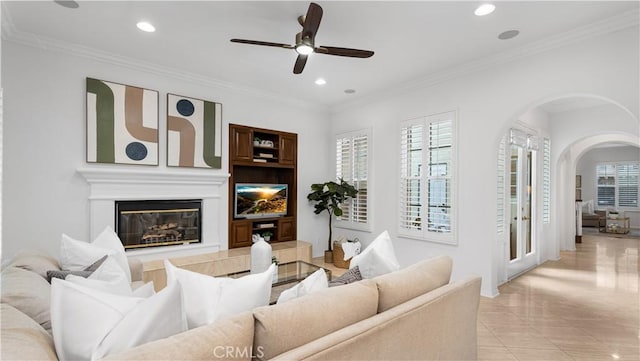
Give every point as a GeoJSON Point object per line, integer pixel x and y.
{"type": "Point", "coordinates": [352, 275]}
{"type": "Point", "coordinates": [84, 273]}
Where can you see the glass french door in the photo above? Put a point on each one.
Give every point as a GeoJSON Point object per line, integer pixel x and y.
{"type": "Point", "coordinates": [522, 244]}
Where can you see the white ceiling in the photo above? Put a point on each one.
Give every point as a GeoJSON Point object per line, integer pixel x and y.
{"type": "Point", "coordinates": [411, 40]}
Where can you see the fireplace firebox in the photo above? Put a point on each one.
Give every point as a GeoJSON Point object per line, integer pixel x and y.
{"type": "Point", "coordinates": [154, 223]}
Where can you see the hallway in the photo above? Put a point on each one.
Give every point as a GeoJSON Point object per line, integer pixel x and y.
{"type": "Point", "coordinates": [586, 306]}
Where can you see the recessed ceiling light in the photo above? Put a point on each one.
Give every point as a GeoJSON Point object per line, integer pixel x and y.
{"type": "Point", "coordinates": [145, 26]}
{"type": "Point", "coordinates": [484, 9]}
{"type": "Point", "coordinates": [67, 3]}
{"type": "Point", "coordinates": [508, 34]}
{"type": "Point", "coordinates": [349, 91]}
{"type": "Point", "coordinates": [321, 81]}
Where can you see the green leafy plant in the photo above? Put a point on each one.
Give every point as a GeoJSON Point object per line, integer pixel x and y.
{"type": "Point", "coordinates": [267, 234]}
{"type": "Point", "coordinates": [329, 196]}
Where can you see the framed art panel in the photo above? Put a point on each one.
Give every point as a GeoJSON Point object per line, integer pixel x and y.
{"type": "Point", "coordinates": [194, 132]}
{"type": "Point", "coordinates": [122, 123]}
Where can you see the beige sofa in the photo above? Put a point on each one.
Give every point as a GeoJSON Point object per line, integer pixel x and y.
{"type": "Point", "coordinates": [411, 314]}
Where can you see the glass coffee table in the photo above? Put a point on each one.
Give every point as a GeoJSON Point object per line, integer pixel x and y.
{"type": "Point", "coordinates": [288, 275]}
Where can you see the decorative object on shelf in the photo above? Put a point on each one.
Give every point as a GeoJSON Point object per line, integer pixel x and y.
{"type": "Point", "coordinates": [122, 123]}
{"type": "Point", "coordinates": [613, 214]}
{"type": "Point", "coordinates": [194, 132]}
{"type": "Point", "coordinates": [261, 254]}
{"type": "Point", "coordinates": [267, 235]}
{"type": "Point", "coordinates": [256, 141]}
{"type": "Point", "coordinates": [330, 196]}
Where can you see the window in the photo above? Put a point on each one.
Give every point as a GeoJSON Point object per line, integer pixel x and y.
{"type": "Point", "coordinates": [352, 165]}
{"type": "Point", "coordinates": [617, 184]}
{"type": "Point", "coordinates": [426, 178]}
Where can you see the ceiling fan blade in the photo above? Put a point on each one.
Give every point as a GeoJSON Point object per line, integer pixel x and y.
{"type": "Point", "coordinates": [300, 63]}
{"type": "Point", "coordinates": [353, 53]}
{"type": "Point", "coordinates": [263, 43]}
{"type": "Point", "coordinates": [312, 21]}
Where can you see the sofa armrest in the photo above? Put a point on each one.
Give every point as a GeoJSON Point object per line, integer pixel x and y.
{"type": "Point", "coordinates": [135, 265]}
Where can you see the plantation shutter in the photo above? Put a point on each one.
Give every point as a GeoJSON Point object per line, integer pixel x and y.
{"type": "Point", "coordinates": [627, 182]}
{"type": "Point", "coordinates": [501, 185]}
{"type": "Point", "coordinates": [411, 177]}
{"type": "Point", "coordinates": [352, 165]}
{"type": "Point", "coordinates": [606, 185]}
{"type": "Point", "coordinates": [426, 178]}
{"type": "Point", "coordinates": [546, 181]}
{"type": "Point", "coordinates": [439, 178]}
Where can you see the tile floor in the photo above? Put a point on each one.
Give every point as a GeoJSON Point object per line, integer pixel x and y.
{"type": "Point", "coordinates": [585, 306]}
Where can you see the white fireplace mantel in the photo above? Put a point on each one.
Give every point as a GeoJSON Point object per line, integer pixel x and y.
{"type": "Point", "coordinates": [108, 185]}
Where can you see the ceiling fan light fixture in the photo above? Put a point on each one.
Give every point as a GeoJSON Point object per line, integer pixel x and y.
{"type": "Point", "coordinates": [146, 27]}
{"type": "Point", "coordinates": [304, 49]}
{"type": "Point", "coordinates": [484, 9]}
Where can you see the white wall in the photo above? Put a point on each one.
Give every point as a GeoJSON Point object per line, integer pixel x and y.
{"type": "Point", "coordinates": [44, 142]}
{"type": "Point", "coordinates": [488, 102]}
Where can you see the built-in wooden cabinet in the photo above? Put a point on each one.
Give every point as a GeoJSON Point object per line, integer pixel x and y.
{"type": "Point", "coordinates": [262, 156]}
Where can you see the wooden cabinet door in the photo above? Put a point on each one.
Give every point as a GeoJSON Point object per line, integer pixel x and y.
{"type": "Point", "coordinates": [241, 234]}
{"type": "Point", "coordinates": [288, 146]}
{"type": "Point", "coordinates": [286, 229]}
{"type": "Point", "coordinates": [241, 144]}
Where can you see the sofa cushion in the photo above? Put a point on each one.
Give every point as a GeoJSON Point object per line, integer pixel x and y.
{"type": "Point", "coordinates": [208, 299]}
{"type": "Point", "coordinates": [377, 259]}
{"type": "Point", "coordinates": [83, 273]}
{"type": "Point", "coordinates": [90, 324]}
{"type": "Point", "coordinates": [23, 338]}
{"type": "Point", "coordinates": [229, 339]}
{"type": "Point", "coordinates": [317, 281]}
{"type": "Point", "coordinates": [352, 275]}
{"type": "Point", "coordinates": [282, 327]}
{"type": "Point", "coordinates": [76, 255]}
{"type": "Point", "coordinates": [400, 286]}
{"type": "Point", "coordinates": [28, 292]}
{"type": "Point", "coordinates": [35, 261]}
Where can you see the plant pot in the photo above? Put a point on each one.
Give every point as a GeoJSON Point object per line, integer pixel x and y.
{"type": "Point", "coordinates": [328, 256]}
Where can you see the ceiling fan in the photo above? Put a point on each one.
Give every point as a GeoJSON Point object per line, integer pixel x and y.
{"type": "Point", "coordinates": [305, 41]}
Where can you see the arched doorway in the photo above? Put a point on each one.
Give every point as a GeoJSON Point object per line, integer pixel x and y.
{"type": "Point", "coordinates": [571, 125]}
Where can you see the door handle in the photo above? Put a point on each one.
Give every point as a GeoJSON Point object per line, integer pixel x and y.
{"type": "Point", "coordinates": [525, 218]}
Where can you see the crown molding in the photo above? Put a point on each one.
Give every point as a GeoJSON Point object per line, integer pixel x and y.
{"type": "Point", "coordinates": [606, 26]}
{"type": "Point", "coordinates": [10, 33]}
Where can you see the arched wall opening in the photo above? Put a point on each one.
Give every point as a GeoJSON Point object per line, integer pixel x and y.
{"type": "Point", "coordinates": [574, 124]}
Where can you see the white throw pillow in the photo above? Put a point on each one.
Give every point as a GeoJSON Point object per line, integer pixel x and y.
{"type": "Point", "coordinates": [107, 278]}
{"type": "Point", "coordinates": [109, 239]}
{"type": "Point", "coordinates": [377, 259]}
{"type": "Point", "coordinates": [76, 255]}
{"type": "Point", "coordinates": [208, 299]}
{"type": "Point", "coordinates": [89, 324]}
{"type": "Point", "coordinates": [315, 282]}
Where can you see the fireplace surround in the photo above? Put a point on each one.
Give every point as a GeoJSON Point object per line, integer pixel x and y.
{"type": "Point", "coordinates": [110, 184]}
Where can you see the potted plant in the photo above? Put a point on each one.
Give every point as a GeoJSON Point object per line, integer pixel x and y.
{"type": "Point", "coordinates": [256, 141]}
{"type": "Point", "coordinates": [329, 196]}
{"type": "Point", "coordinates": [267, 235]}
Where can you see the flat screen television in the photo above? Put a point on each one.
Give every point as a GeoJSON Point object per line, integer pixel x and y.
{"type": "Point", "coordinates": [260, 200]}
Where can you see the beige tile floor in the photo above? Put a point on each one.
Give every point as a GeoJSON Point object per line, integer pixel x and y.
{"type": "Point", "coordinates": [585, 306]}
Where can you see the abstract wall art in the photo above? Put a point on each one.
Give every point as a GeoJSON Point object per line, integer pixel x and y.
{"type": "Point", "coordinates": [194, 132]}
{"type": "Point", "coordinates": [122, 123]}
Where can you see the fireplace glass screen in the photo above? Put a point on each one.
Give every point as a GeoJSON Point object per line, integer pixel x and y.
{"type": "Point", "coordinates": [141, 224]}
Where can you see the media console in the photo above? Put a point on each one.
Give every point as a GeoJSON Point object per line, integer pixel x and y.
{"type": "Point", "coordinates": [262, 156]}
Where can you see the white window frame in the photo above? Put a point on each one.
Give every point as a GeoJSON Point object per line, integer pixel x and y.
{"type": "Point", "coordinates": [615, 186]}
{"type": "Point", "coordinates": [424, 233]}
{"type": "Point", "coordinates": [351, 224]}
